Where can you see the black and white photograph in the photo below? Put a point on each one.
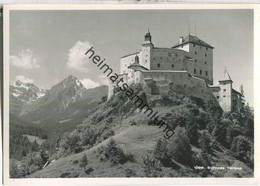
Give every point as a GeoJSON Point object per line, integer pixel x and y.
{"type": "Point", "coordinates": [129, 93]}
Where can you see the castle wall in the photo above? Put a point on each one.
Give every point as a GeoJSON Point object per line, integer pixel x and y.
{"type": "Point", "coordinates": [168, 59]}
{"type": "Point", "coordinates": [204, 61]}
{"type": "Point", "coordinates": [176, 81]}
{"type": "Point", "coordinates": [225, 96]}
{"type": "Point", "coordinates": [147, 52]}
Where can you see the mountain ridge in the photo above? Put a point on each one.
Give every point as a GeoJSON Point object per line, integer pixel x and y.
{"type": "Point", "coordinates": [68, 98]}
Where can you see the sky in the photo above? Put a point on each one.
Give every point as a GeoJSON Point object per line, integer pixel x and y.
{"type": "Point", "coordinates": [47, 46]}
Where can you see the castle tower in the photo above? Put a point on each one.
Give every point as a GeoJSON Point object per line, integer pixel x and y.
{"type": "Point", "coordinates": [225, 94]}
{"type": "Point", "coordinates": [147, 47]}
{"type": "Point", "coordinates": [202, 53]}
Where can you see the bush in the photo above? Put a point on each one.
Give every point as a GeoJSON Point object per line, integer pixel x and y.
{"type": "Point", "coordinates": [204, 142]}
{"type": "Point", "coordinates": [88, 169]}
{"type": "Point", "coordinates": [179, 146]}
{"type": "Point", "coordinates": [220, 133]}
{"type": "Point", "coordinates": [114, 154]}
{"type": "Point", "coordinates": [14, 171]}
{"type": "Point", "coordinates": [203, 159]}
{"type": "Point", "coordinates": [240, 147]}
{"type": "Point", "coordinates": [130, 172]}
{"type": "Point", "coordinates": [151, 166]}
{"type": "Point", "coordinates": [233, 130]}
{"type": "Point", "coordinates": [161, 153]}
{"type": "Point", "coordinates": [83, 161]}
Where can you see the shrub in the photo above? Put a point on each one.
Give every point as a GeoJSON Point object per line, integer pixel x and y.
{"type": "Point", "coordinates": [233, 130]}
{"type": "Point", "coordinates": [14, 171]}
{"type": "Point", "coordinates": [130, 172]}
{"type": "Point", "coordinates": [88, 169]}
{"type": "Point", "coordinates": [83, 161]}
{"type": "Point", "coordinates": [219, 132]}
{"type": "Point", "coordinates": [240, 147]}
{"type": "Point", "coordinates": [114, 154]}
{"type": "Point", "coordinates": [204, 142]}
{"type": "Point", "coordinates": [161, 152]}
{"type": "Point", "coordinates": [151, 166]}
{"type": "Point", "coordinates": [179, 146]}
{"type": "Point", "coordinates": [203, 159]}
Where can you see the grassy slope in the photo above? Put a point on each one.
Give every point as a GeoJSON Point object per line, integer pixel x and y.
{"type": "Point", "coordinates": [136, 140]}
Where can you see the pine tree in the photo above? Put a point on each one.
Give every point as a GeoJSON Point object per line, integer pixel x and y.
{"type": "Point", "coordinates": [83, 161]}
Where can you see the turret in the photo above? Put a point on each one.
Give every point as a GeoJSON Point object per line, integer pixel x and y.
{"type": "Point", "coordinates": [225, 96]}
{"type": "Point", "coordinates": [147, 47]}
{"type": "Point", "coordinates": [148, 37]}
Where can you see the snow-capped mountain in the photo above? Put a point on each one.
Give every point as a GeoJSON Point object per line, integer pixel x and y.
{"type": "Point", "coordinates": [66, 100]}
{"type": "Point", "coordinates": [26, 92]}
{"type": "Point", "coordinates": [64, 93]}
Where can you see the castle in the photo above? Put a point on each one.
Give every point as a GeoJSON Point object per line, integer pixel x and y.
{"type": "Point", "coordinates": [187, 67]}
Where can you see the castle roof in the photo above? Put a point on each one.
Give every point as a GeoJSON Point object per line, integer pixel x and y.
{"type": "Point", "coordinates": [130, 54]}
{"type": "Point", "coordinates": [225, 76]}
{"type": "Point", "coordinates": [236, 92]}
{"type": "Point", "coordinates": [193, 40]}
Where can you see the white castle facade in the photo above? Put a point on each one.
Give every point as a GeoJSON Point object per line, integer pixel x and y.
{"type": "Point", "coordinates": [186, 67]}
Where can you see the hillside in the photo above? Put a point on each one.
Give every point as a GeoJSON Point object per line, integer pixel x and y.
{"type": "Point", "coordinates": [119, 140]}
{"type": "Point", "coordinates": [137, 140]}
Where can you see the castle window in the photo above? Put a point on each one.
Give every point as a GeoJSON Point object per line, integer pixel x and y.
{"type": "Point", "coordinates": [176, 55]}
{"type": "Point", "coordinates": [205, 55]}
{"type": "Point", "coordinates": [169, 54]}
{"type": "Point", "coordinates": [154, 58]}
{"type": "Point", "coordinates": [184, 85]}
{"type": "Point", "coordinates": [200, 72]}
{"type": "Point", "coordinates": [146, 61]}
{"type": "Point", "coordinates": [172, 66]}
{"type": "Point", "coordinates": [195, 60]}
{"type": "Point", "coordinates": [206, 73]}
{"type": "Point", "coordinates": [224, 96]}
{"type": "Point", "coordinates": [158, 65]}
{"type": "Point", "coordinates": [193, 45]}
{"type": "Point", "coordinates": [217, 97]}
{"type": "Point", "coordinates": [146, 55]}
{"type": "Point", "coordinates": [224, 90]}
{"type": "Point", "coordinates": [160, 57]}
{"type": "Point", "coordinates": [181, 46]}
{"type": "Point", "coordinates": [207, 48]}
{"type": "Point", "coordinates": [205, 62]}
{"type": "Point", "coordinates": [200, 47]}
{"type": "Point", "coordinates": [195, 53]}
{"type": "Point", "coordinates": [194, 70]}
